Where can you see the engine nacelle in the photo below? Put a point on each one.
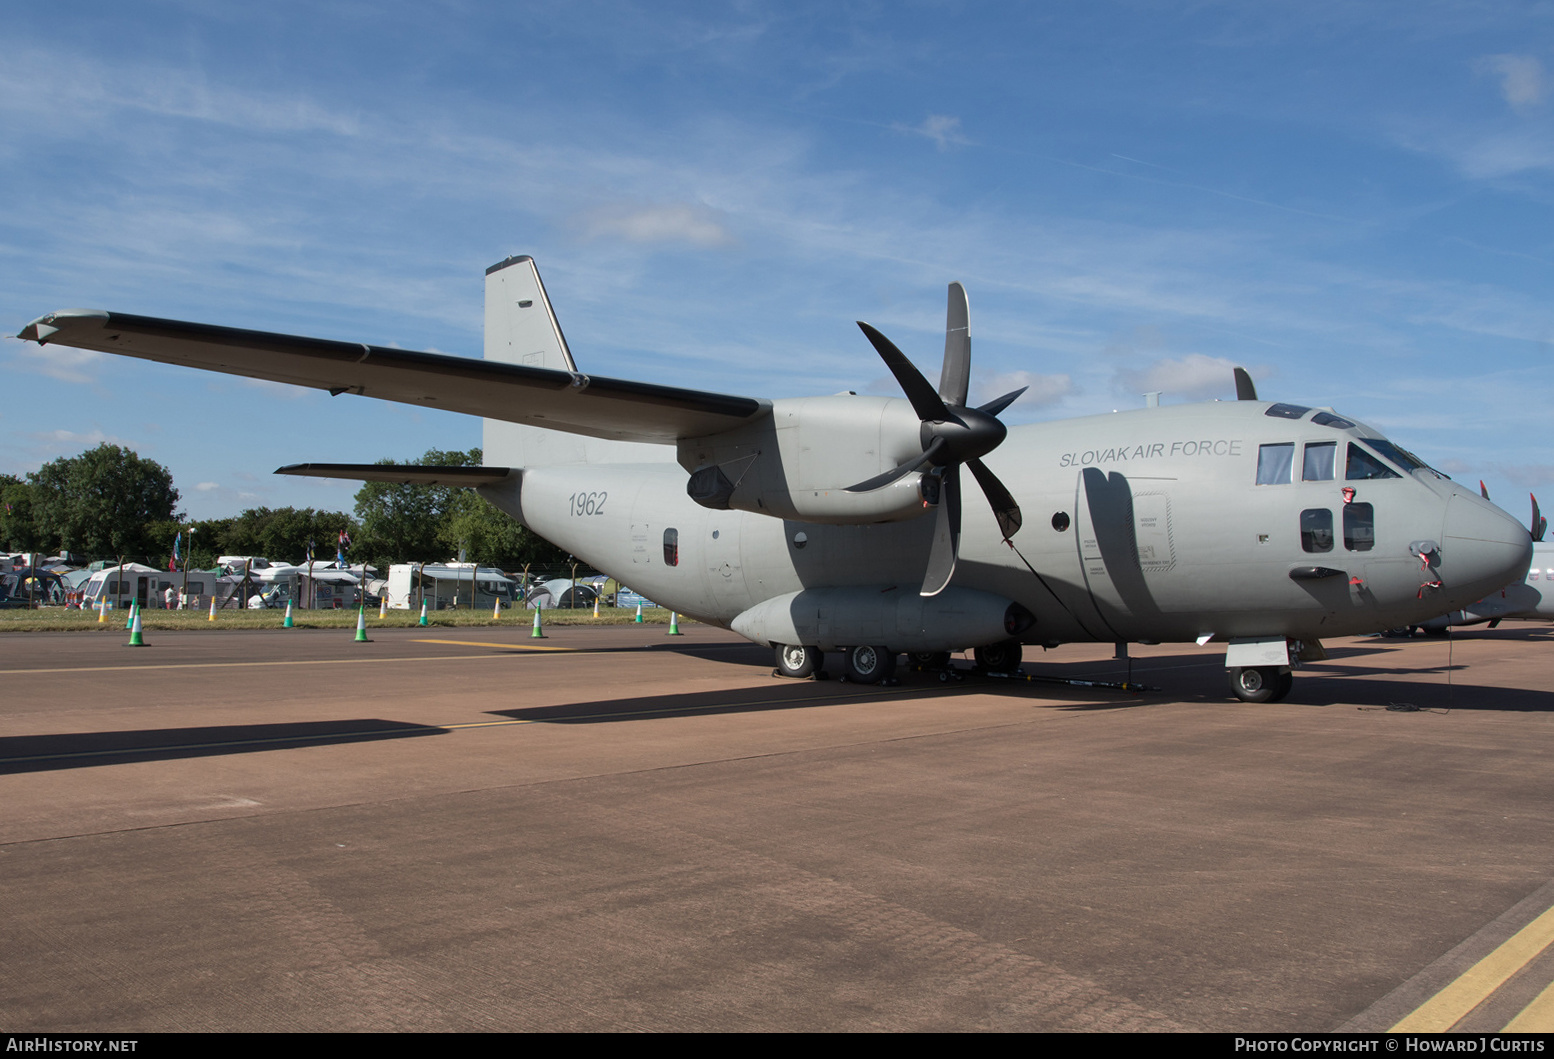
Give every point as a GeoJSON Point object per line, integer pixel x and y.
{"type": "Point", "coordinates": [893, 617]}
{"type": "Point", "coordinates": [798, 462]}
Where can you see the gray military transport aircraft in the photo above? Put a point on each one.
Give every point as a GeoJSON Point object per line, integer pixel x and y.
{"type": "Point", "coordinates": [819, 524]}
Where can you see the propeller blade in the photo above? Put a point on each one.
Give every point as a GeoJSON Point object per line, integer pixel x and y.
{"type": "Point", "coordinates": [955, 377]}
{"type": "Point", "coordinates": [925, 402]}
{"type": "Point", "coordinates": [1483, 490]}
{"type": "Point", "coordinates": [1245, 391]}
{"type": "Point", "coordinates": [1539, 523]}
{"type": "Point", "coordinates": [934, 448]}
{"type": "Point", "coordinates": [997, 405]}
{"type": "Point", "coordinates": [946, 536]}
{"type": "Point", "coordinates": [1004, 508]}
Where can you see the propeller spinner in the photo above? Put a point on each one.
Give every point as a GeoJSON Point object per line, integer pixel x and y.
{"type": "Point", "coordinates": [952, 434]}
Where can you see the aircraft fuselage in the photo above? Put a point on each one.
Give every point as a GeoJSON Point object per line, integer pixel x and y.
{"type": "Point", "coordinates": [1148, 525]}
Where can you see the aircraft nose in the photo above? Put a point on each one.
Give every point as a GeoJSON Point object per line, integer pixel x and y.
{"type": "Point", "coordinates": [1484, 548]}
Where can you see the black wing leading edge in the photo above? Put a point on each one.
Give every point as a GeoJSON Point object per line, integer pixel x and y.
{"type": "Point", "coordinates": [615, 409]}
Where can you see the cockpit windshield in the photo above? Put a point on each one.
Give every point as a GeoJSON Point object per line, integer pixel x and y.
{"type": "Point", "coordinates": [1395, 454]}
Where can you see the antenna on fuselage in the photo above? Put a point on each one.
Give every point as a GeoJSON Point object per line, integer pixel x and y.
{"type": "Point", "coordinates": [1245, 391]}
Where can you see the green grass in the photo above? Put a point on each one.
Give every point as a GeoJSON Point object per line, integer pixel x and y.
{"type": "Point", "coordinates": [60, 619]}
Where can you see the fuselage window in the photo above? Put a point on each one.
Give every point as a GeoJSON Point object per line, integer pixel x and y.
{"type": "Point", "coordinates": [1320, 458]}
{"type": "Point", "coordinates": [1328, 419]}
{"type": "Point", "coordinates": [1316, 529]}
{"type": "Point", "coordinates": [671, 547]}
{"type": "Point", "coordinates": [1274, 463]}
{"type": "Point", "coordinates": [1363, 466]}
{"type": "Point", "coordinates": [1359, 527]}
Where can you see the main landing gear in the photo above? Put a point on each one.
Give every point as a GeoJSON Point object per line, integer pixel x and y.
{"type": "Point", "coordinates": [864, 665]}
{"type": "Point", "coordinates": [870, 665]}
{"type": "Point", "coordinates": [794, 660]}
{"type": "Point", "coordinates": [1260, 683]}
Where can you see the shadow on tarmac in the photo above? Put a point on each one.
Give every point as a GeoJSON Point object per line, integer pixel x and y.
{"type": "Point", "coordinates": [44, 753]}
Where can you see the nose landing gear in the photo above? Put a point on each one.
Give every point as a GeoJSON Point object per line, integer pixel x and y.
{"type": "Point", "coordinates": [1260, 683]}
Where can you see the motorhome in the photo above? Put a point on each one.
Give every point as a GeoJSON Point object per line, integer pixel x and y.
{"type": "Point", "coordinates": [146, 585]}
{"type": "Point", "coordinates": [447, 585]}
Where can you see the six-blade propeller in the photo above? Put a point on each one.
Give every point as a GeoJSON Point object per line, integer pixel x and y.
{"type": "Point", "coordinates": [952, 434]}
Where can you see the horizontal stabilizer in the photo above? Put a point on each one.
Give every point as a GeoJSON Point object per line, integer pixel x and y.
{"type": "Point", "coordinates": [615, 409]}
{"type": "Point", "coordinates": [402, 473]}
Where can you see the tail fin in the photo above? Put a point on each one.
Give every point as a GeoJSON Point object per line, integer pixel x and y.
{"type": "Point", "coordinates": [521, 326]}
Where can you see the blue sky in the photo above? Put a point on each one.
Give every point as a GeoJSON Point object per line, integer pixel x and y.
{"type": "Point", "coordinates": [1351, 200]}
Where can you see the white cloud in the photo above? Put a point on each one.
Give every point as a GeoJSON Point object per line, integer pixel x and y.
{"type": "Point", "coordinates": [1043, 390]}
{"type": "Point", "coordinates": [674, 223]}
{"type": "Point", "coordinates": [206, 487]}
{"type": "Point", "coordinates": [1195, 376]}
{"type": "Point", "coordinates": [89, 440]}
{"type": "Point", "coordinates": [1521, 78]}
{"type": "Point", "coordinates": [58, 362]}
{"type": "Point", "coordinates": [1528, 476]}
{"type": "Point", "coordinates": [942, 129]}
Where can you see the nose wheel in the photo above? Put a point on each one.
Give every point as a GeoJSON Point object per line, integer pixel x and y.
{"type": "Point", "coordinates": [1260, 683]}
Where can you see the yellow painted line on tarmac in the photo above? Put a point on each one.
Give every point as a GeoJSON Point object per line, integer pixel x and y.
{"type": "Point", "coordinates": [1444, 1010]}
{"type": "Point", "coordinates": [1537, 1017]}
{"type": "Point", "coordinates": [503, 646]}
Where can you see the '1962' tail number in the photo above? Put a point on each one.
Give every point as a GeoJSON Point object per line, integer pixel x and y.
{"type": "Point", "coordinates": [587, 503]}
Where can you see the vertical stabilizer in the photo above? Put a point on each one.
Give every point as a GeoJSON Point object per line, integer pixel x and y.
{"type": "Point", "coordinates": [521, 328]}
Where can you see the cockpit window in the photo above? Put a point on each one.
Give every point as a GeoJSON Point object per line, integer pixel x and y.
{"type": "Point", "coordinates": [1401, 457]}
{"type": "Point", "coordinates": [1274, 463]}
{"type": "Point", "coordinates": [1316, 529]}
{"type": "Point", "coordinates": [1286, 411]}
{"type": "Point", "coordinates": [1360, 527]}
{"type": "Point", "coordinates": [1328, 419]}
{"type": "Point", "coordinates": [1320, 458]}
{"type": "Point", "coordinates": [1363, 466]}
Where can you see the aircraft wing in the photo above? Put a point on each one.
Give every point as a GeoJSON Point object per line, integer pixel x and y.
{"type": "Point", "coordinates": [465, 477]}
{"type": "Point", "coordinates": [599, 407]}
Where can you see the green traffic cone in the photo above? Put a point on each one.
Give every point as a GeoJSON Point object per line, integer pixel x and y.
{"type": "Point", "coordinates": [423, 613]}
{"type": "Point", "coordinates": [361, 625]}
{"type": "Point", "coordinates": [536, 634]}
{"type": "Point", "coordinates": [129, 619]}
{"type": "Point", "coordinates": [639, 614]}
{"type": "Point", "coordinates": [287, 624]}
{"type": "Point", "coordinates": [674, 624]}
{"type": "Point", "coordinates": [135, 640]}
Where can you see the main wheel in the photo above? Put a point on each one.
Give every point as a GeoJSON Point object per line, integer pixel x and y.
{"type": "Point", "coordinates": [929, 659]}
{"type": "Point", "coordinates": [1003, 657]}
{"type": "Point", "coordinates": [869, 665]}
{"type": "Point", "coordinates": [1282, 688]}
{"type": "Point", "coordinates": [1260, 683]}
{"type": "Point", "coordinates": [798, 661]}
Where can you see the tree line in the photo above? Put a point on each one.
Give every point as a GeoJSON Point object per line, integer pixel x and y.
{"type": "Point", "coordinates": [110, 503]}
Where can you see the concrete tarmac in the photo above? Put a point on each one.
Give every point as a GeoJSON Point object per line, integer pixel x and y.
{"type": "Point", "coordinates": [610, 828]}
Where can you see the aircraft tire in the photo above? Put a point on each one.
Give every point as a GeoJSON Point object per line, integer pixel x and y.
{"type": "Point", "coordinates": [869, 665]}
{"type": "Point", "coordinates": [798, 661]}
{"type": "Point", "coordinates": [1259, 683]}
{"type": "Point", "coordinates": [1001, 657]}
{"type": "Point", "coordinates": [1283, 687]}
{"type": "Point", "coordinates": [929, 659]}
